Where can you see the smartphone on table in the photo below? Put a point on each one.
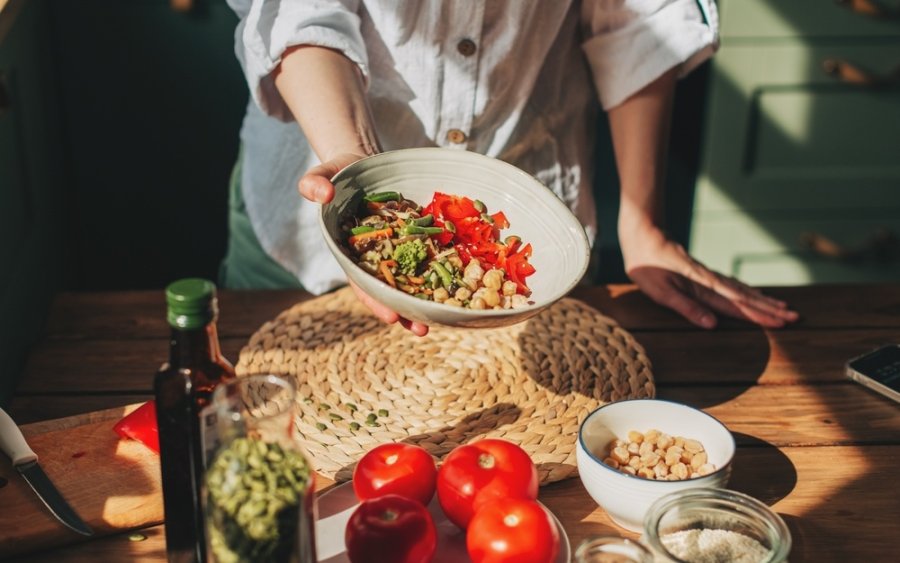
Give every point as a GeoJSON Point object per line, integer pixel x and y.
{"type": "Point", "coordinates": [878, 370]}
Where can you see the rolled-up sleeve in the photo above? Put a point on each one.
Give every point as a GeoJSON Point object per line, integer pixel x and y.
{"type": "Point", "coordinates": [630, 43]}
{"type": "Point", "coordinates": [268, 27]}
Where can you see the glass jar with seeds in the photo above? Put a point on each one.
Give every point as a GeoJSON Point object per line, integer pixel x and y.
{"type": "Point", "coordinates": [259, 492]}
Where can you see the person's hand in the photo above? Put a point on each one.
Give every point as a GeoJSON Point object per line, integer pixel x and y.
{"type": "Point", "coordinates": [316, 186]}
{"type": "Point", "coordinates": [666, 273]}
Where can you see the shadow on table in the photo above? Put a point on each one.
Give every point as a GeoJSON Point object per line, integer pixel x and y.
{"type": "Point", "coordinates": [761, 470]}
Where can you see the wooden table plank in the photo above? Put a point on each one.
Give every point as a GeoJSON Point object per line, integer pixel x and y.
{"type": "Point", "coordinates": [730, 357]}
{"type": "Point", "coordinates": [141, 314]}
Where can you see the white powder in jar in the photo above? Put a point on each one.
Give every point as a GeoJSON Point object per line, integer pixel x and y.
{"type": "Point", "coordinates": [714, 546]}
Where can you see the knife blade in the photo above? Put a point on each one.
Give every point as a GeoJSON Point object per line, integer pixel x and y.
{"type": "Point", "coordinates": [13, 444]}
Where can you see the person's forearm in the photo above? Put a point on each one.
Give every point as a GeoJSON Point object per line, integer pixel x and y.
{"type": "Point", "coordinates": [325, 92]}
{"type": "Point", "coordinates": [640, 133]}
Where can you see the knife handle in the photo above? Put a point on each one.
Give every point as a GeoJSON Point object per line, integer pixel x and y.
{"type": "Point", "coordinates": [13, 442]}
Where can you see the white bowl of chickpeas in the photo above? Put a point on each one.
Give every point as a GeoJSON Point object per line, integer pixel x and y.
{"type": "Point", "coordinates": [384, 202]}
{"type": "Point", "coordinates": [630, 453]}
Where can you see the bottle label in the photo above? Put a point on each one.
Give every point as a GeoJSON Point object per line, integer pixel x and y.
{"type": "Point", "coordinates": [209, 434]}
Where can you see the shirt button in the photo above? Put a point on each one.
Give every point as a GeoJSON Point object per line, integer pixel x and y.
{"type": "Point", "coordinates": [466, 47]}
{"type": "Point", "coordinates": [456, 136]}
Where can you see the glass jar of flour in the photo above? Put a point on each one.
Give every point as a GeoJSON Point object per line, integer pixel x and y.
{"type": "Point", "coordinates": [706, 524]}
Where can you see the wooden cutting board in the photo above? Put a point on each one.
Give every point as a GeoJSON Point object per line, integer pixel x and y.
{"type": "Point", "coordinates": [113, 484]}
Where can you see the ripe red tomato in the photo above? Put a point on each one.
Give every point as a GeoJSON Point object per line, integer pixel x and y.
{"type": "Point", "coordinates": [482, 471]}
{"type": "Point", "coordinates": [390, 529]}
{"type": "Point", "coordinates": [395, 469]}
{"type": "Point", "coordinates": [512, 531]}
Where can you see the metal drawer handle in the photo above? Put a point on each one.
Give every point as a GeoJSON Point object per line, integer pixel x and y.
{"type": "Point", "coordinates": [883, 246]}
{"type": "Point", "coordinates": [850, 73]}
{"type": "Point", "coordinates": [871, 8]}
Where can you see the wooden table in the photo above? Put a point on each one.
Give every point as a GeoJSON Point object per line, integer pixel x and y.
{"type": "Point", "coordinates": [822, 451]}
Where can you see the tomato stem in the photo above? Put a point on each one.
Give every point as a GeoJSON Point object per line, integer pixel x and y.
{"type": "Point", "coordinates": [389, 515]}
{"type": "Point", "coordinates": [486, 461]}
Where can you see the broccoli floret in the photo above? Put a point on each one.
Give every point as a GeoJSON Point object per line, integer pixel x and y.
{"type": "Point", "coordinates": [409, 255]}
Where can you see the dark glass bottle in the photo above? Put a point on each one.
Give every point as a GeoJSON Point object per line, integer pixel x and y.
{"type": "Point", "coordinates": [183, 387]}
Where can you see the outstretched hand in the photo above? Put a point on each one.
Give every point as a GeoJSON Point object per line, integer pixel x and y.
{"type": "Point", "coordinates": [316, 186]}
{"type": "Point", "coordinates": [666, 273]}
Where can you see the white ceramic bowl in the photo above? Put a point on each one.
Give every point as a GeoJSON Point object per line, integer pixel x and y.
{"type": "Point", "coordinates": [561, 249]}
{"type": "Point", "coordinates": [626, 498]}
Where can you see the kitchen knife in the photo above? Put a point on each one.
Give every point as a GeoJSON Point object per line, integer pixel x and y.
{"type": "Point", "coordinates": [13, 443]}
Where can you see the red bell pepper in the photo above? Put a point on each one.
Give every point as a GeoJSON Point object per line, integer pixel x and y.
{"type": "Point", "coordinates": [140, 425]}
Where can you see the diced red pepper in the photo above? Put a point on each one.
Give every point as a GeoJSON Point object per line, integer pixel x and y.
{"type": "Point", "coordinates": [140, 425]}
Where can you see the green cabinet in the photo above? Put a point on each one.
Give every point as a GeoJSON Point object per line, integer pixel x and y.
{"type": "Point", "coordinates": [801, 144]}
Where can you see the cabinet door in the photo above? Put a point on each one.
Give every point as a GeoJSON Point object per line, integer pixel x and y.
{"type": "Point", "coordinates": [784, 134]}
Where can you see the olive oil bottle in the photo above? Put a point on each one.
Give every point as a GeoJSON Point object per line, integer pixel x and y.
{"type": "Point", "coordinates": [183, 387]}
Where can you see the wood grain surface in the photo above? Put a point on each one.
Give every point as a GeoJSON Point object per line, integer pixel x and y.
{"type": "Point", "coordinates": [819, 449]}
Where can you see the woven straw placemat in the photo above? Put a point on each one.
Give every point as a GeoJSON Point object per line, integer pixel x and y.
{"type": "Point", "coordinates": [362, 383]}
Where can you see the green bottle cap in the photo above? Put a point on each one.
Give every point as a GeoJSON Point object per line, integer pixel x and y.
{"type": "Point", "coordinates": [191, 303]}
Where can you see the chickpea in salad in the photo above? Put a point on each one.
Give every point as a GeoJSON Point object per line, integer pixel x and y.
{"type": "Point", "coordinates": [448, 252]}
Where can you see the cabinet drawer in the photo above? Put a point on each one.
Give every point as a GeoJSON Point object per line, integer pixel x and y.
{"type": "Point", "coordinates": [779, 19]}
{"type": "Point", "coordinates": [781, 133]}
{"type": "Point", "coordinates": [771, 247]}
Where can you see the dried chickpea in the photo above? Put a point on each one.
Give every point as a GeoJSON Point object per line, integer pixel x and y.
{"type": "Point", "coordinates": [477, 304]}
{"type": "Point", "coordinates": [620, 454]}
{"type": "Point", "coordinates": [611, 462]}
{"type": "Point", "coordinates": [463, 294]}
{"type": "Point", "coordinates": [660, 456]}
{"type": "Point", "coordinates": [440, 295]}
{"type": "Point", "coordinates": [506, 302]}
{"type": "Point", "coordinates": [509, 288]}
{"type": "Point", "coordinates": [664, 441]}
{"type": "Point", "coordinates": [453, 302]}
{"type": "Point", "coordinates": [473, 271]}
{"type": "Point", "coordinates": [493, 279]}
{"type": "Point", "coordinates": [673, 455]}
{"type": "Point", "coordinates": [650, 459]}
{"type": "Point", "coordinates": [491, 297]}
{"type": "Point", "coordinates": [661, 469]}
{"type": "Point", "coordinates": [699, 459]}
{"type": "Point", "coordinates": [693, 446]}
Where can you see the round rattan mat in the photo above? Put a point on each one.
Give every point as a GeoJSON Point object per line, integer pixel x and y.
{"type": "Point", "coordinates": [361, 382]}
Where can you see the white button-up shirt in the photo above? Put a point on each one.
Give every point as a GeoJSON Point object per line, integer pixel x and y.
{"type": "Point", "coordinates": [513, 79]}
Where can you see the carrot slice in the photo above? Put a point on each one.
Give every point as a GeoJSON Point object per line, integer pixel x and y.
{"type": "Point", "coordinates": [371, 235]}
